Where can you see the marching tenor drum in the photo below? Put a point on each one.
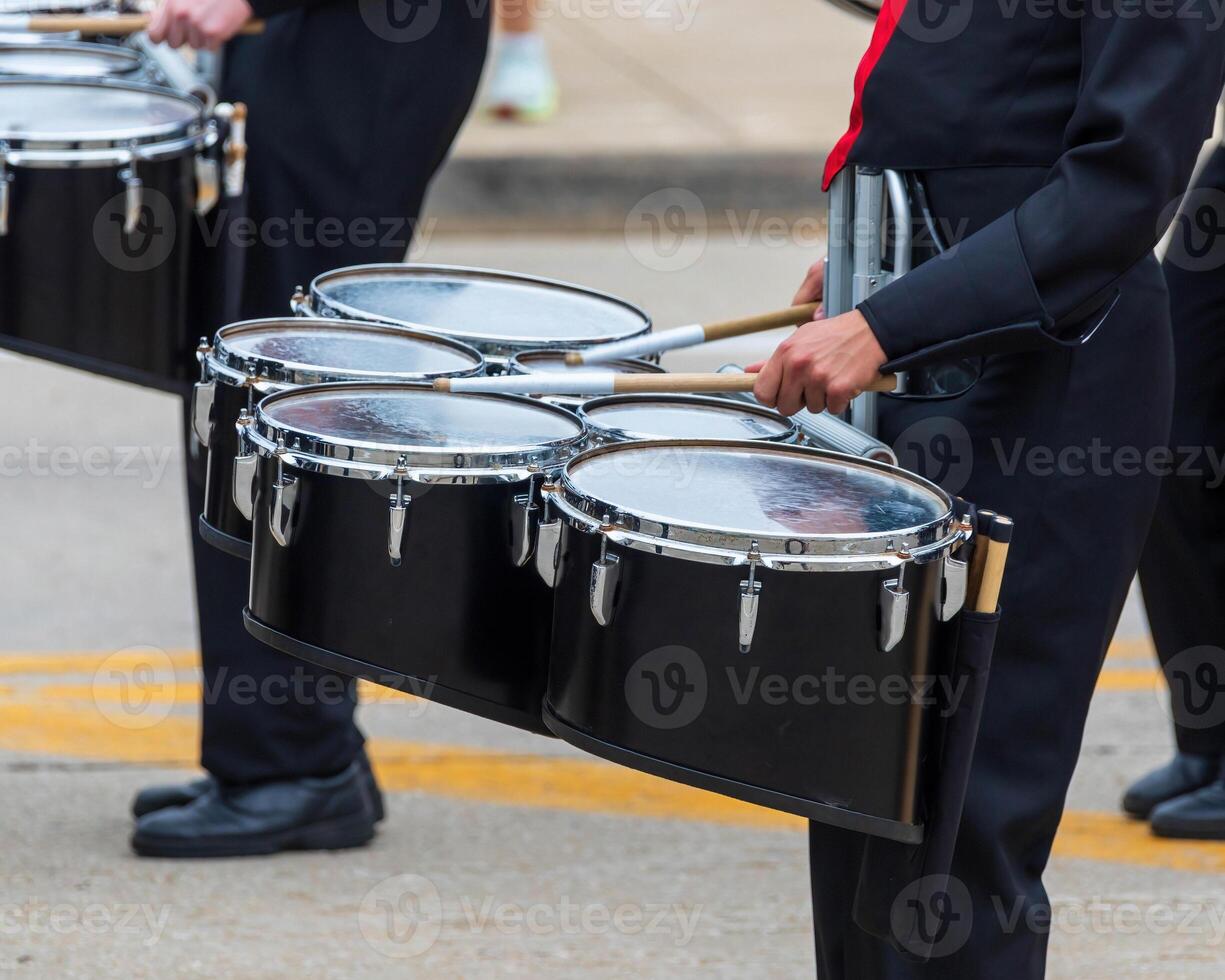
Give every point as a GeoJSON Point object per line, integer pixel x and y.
{"type": "Point", "coordinates": [393, 538]}
{"type": "Point", "coordinates": [753, 620]}
{"type": "Point", "coordinates": [629, 418]}
{"type": "Point", "coordinates": [98, 182]}
{"type": "Point", "coordinates": [501, 314]}
{"type": "Point", "coordinates": [254, 358]}
{"type": "Point", "coordinates": [554, 362]}
{"type": "Point", "coordinates": [70, 60]}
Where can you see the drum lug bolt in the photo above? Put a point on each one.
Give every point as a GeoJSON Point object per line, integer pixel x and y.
{"type": "Point", "coordinates": [750, 601]}
{"type": "Point", "coordinates": [894, 607]}
{"type": "Point", "coordinates": [548, 541]}
{"type": "Point", "coordinates": [605, 578]}
{"type": "Point", "coordinates": [398, 516]}
{"type": "Point", "coordinates": [202, 397]}
{"type": "Point", "coordinates": [953, 588]}
{"type": "Point", "coordinates": [297, 303]}
{"type": "Point", "coordinates": [244, 469]}
{"type": "Point", "coordinates": [284, 500]}
{"type": "Point", "coordinates": [523, 524]}
{"type": "Point", "coordinates": [6, 180]}
{"type": "Point", "coordinates": [133, 197]}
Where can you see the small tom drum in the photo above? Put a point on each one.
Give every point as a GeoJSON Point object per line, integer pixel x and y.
{"type": "Point", "coordinates": [554, 361]}
{"type": "Point", "coordinates": [629, 418]}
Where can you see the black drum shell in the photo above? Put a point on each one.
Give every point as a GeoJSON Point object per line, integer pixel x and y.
{"type": "Point", "coordinates": [221, 523]}
{"type": "Point", "coordinates": [852, 764]}
{"type": "Point", "coordinates": [457, 622]}
{"type": "Point", "coordinates": [62, 299]}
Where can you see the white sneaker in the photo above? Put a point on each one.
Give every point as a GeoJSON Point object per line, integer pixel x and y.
{"type": "Point", "coordinates": [521, 84]}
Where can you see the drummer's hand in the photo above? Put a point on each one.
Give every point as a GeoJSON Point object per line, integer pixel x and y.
{"type": "Point", "coordinates": [202, 24]}
{"type": "Point", "coordinates": [824, 364]}
{"type": "Point", "coordinates": [812, 289]}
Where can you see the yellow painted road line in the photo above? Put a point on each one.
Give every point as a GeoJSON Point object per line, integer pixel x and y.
{"type": "Point", "coordinates": [86, 662]}
{"type": "Point", "coordinates": [186, 692]}
{"type": "Point", "coordinates": [575, 784]}
{"type": "Point", "coordinates": [1130, 679]}
{"type": "Point", "coordinates": [1132, 648]}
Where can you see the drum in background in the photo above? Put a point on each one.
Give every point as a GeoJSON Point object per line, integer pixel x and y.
{"type": "Point", "coordinates": [254, 358]}
{"type": "Point", "coordinates": [501, 314]}
{"type": "Point", "coordinates": [393, 532]}
{"type": "Point", "coordinates": [628, 418]}
{"type": "Point", "coordinates": [98, 183]}
{"type": "Point", "coordinates": [704, 590]}
{"type": "Point", "coordinates": [553, 361]}
{"type": "Point", "coordinates": [70, 60]}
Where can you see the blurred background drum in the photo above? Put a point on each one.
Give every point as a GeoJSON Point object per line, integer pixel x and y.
{"type": "Point", "coordinates": [254, 358]}
{"type": "Point", "coordinates": [626, 418]}
{"type": "Point", "coordinates": [100, 182]}
{"type": "Point", "coordinates": [393, 532]}
{"type": "Point", "coordinates": [69, 59]}
{"type": "Point", "coordinates": [687, 572]}
{"type": "Point", "coordinates": [501, 314]}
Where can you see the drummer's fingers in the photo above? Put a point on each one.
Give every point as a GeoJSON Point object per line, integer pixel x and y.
{"type": "Point", "coordinates": [197, 39]}
{"type": "Point", "coordinates": [813, 286]}
{"type": "Point", "coordinates": [793, 392]}
{"type": "Point", "coordinates": [838, 395]}
{"type": "Point", "coordinates": [755, 368]}
{"type": "Point", "coordinates": [768, 378]}
{"type": "Point", "coordinates": [157, 23]}
{"type": "Point", "coordinates": [176, 28]}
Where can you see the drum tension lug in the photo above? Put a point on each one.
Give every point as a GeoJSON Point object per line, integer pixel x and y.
{"type": "Point", "coordinates": [953, 588]}
{"type": "Point", "coordinates": [894, 607]}
{"type": "Point", "coordinates": [284, 500]}
{"type": "Point", "coordinates": [548, 540]}
{"type": "Point", "coordinates": [398, 515]}
{"type": "Point", "coordinates": [750, 601]}
{"type": "Point", "coordinates": [202, 397]}
{"type": "Point", "coordinates": [605, 580]}
{"type": "Point", "coordinates": [133, 197]}
{"type": "Point", "coordinates": [244, 469]}
{"type": "Point", "coordinates": [523, 523]}
{"type": "Point", "coordinates": [6, 181]}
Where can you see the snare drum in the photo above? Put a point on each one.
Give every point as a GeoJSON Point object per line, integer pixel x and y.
{"type": "Point", "coordinates": [97, 185]}
{"type": "Point", "coordinates": [554, 361]}
{"type": "Point", "coordinates": [393, 537]}
{"type": "Point", "coordinates": [501, 314]}
{"type": "Point", "coordinates": [251, 359]}
{"type": "Point", "coordinates": [69, 60]}
{"type": "Point", "coordinates": [751, 619]}
{"type": "Point", "coordinates": [630, 418]}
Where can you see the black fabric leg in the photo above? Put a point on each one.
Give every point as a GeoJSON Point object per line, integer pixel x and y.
{"type": "Point", "coordinates": [1182, 571]}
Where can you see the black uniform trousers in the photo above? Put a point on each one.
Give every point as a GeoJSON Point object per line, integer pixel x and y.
{"type": "Point", "coordinates": [1182, 571]}
{"type": "Point", "coordinates": [1021, 442]}
{"type": "Point", "coordinates": [347, 127]}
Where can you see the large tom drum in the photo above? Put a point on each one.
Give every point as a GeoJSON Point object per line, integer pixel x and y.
{"type": "Point", "coordinates": [754, 620]}
{"type": "Point", "coordinates": [393, 538]}
{"type": "Point", "coordinates": [254, 358]}
{"type": "Point", "coordinates": [501, 314]}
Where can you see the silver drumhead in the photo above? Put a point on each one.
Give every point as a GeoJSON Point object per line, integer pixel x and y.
{"type": "Point", "coordinates": [98, 113]}
{"type": "Point", "coordinates": [297, 351]}
{"type": "Point", "coordinates": [499, 313]}
{"type": "Point", "coordinates": [554, 361]}
{"type": "Point", "coordinates": [384, 425]}
{"type": "Point", "coordinates": [626, 418]}
{"type": "Point", "coordinates": [790, 503]}
{"type": "Point", "coordinates": [67, 60]}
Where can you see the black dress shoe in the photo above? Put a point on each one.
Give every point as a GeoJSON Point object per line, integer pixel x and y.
{"type": "Point", "coordinates": [156, 798]}
{"type": "Point", "coordinates": [1181, 775]}
{"type": "Point", "coordinates": [234, 821]}
{"type": "Point", "coordinates": [1196, 816]}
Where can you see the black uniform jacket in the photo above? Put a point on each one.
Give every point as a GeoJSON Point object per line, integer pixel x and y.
{"type": "Point", "coordinates": [1113, 98]}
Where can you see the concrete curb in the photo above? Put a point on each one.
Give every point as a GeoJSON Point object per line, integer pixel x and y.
{"type": "Point", "coordinates": [597, 193]}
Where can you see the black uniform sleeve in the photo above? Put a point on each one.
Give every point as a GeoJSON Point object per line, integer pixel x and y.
{"type": "Point", "coordinates": [1151, 77]}
{"type": "Point", "coordinates": [270, 8]}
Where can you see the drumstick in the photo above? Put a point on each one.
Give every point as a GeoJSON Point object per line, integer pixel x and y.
{"type": "Point", "coordinates": [993, 571]}
{"type": "Point", "coordinates": [982, 531]}
{"type": "Point", "coordinates": [116, 24]}
{"type": "Point", "coordinates": [612, 383]}
{"type": "Point", "coordinates": [655, 343]}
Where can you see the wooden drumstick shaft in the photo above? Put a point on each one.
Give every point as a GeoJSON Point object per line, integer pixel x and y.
{"type": "Point", "coordinates": [982, 533]}
{"type": "Point", "coordinates": [691, 336]}
{"type": "Point", "coordinates": [612, 383]}
{"type": "Point", "coordinates": [993, 569]}
{"type": "Point", "coordinates": [116, 25]}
